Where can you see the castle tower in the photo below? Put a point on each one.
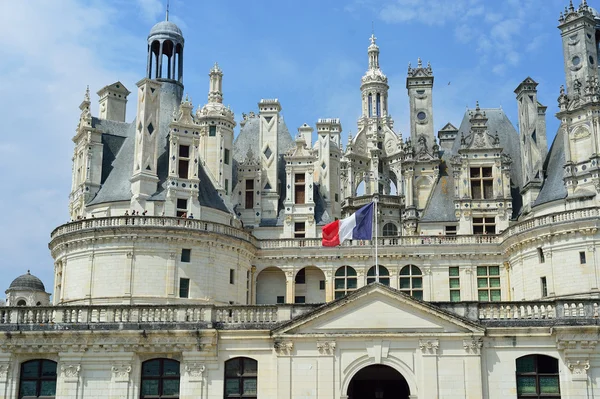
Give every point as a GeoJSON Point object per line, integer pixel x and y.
{"type": "Point", "coordinates": [534, 146]}
{"type": "Point", "coordinates": [268, 144]}
{"type": "Point", "coordinates": [165, 52]}
{"type": "Point", "coordinates": [216, 139]}
{"type": "Point", "coordinates": [419, 84]}
{"type": "Point", "coordinates": [328, 164]}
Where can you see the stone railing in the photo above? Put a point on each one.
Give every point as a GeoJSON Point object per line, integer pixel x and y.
{"type": "Point", "coordinates": [391, 200]}
{"type": "Point", "coordinates": [153, 221]}
{"type": "Point", "coordinates": [142, 314]}
{"type": "Point", "coordinates": [552, 219]}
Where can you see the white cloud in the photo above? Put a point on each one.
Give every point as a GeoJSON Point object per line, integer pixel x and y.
{"type": "Point", "coordinates": [151, 10]}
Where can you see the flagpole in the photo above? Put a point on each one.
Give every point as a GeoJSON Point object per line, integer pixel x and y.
{"type": "Point", "coordinates": [375, 200]}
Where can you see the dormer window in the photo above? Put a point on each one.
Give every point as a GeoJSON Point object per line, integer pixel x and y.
{"type": "Point", "coordinates": [249, 203]}
{"type": "Point", "coordinates": [482, 183]}
{"type": "Point", "coordinates": [212, 131]}
{"type": "Point", "coordinates": [184, 161]}
{"type": "Point", "coordinates": [299, 188]}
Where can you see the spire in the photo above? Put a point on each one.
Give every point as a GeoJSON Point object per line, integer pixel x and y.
{"type": "Point", "coordinates": [571, 7]}
{"type": "Point", "coordinates": [373, 53]}
{"type": "Point", "coordinates": [167, 16]}
{"type": "Point", "coordinates": [215, 92]}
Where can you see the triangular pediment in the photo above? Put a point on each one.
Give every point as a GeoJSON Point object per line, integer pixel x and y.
{"type": "Point", "coordinates": [449, 127]}
{"type": "Point", "coordinates": [377, 309]}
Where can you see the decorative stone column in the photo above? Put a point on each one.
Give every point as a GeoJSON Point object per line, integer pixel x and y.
{"type": "Point", "coordinates": [290, 287]}
{"type": "Point", "coordinates": [429, 367]}
{"type": "Point", "coordinates": [473, 382]}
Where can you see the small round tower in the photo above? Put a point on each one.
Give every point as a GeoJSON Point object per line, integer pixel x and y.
{"type": "Point", "coordinates": [27, 290]}
{"type": "Point", "coordinates": [165, 52]}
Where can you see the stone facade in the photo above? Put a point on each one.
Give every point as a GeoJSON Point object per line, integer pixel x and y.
{"type": "Point", "coordinates": [193, 265]}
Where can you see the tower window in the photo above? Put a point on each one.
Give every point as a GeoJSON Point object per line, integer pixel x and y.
{"type": "Point", "coordinates": [378, 105]}
{"type": "Point", "coordinates": [249, 194]}
{"type": "Point", "coordinates": [450, 230]}
{"type": "Point", "coordinates": [226, 157]}
{"type": "Point", "coordinates": [544, 286]}
{"type": "Point", "coordinates": [299, 230]}
{"type": "Point", "coordinates": [231, 276]}
{"type": "Point", "coordinates": [184, 288]}
{"type": "Point", "coordinates": [212, 131]}
{"type": "Point", "coordinates": [181, 207]}
{"type": "Point", "coordinates": [421, 116]}
{"type": "Point", "coordinates": [186, 255]}
{"type": "Point", "coordinates": [390, 230]}
{"type": "Point", "coordinates": [541, 256]}
{"type": "Point", "coordinates": [184, 161]}
{"type": "Point", "coordinates": [299, 188]}
{"type": "Point", "coordinates": [582, 259]}
{"type": "Point", "coordinates": [370, 105]}
{"type": "Point", "coordinates": [226, 187]}
{"type": "Point", "coordinates": [482, 183]}
{"type": "Point", "coordinates": [299, 299]}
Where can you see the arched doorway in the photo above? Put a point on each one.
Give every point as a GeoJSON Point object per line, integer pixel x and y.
{"type": "Point", "coordinates": [378, 382]}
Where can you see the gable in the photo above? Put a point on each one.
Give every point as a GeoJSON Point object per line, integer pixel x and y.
{"type": "Point", "coordinates": [379, 310]}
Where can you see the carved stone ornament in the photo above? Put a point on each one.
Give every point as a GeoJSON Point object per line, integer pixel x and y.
{"type": "Point", "coordinates": [283, 347]}
{"type": "Point", "coordinates": [4, 367]}
{"type": "Point", "coordinates": [473, 345]}
{"type": "Point", "coordinates": [578, 369]}
{"type": "Point", "coordinates": [71, 372]}
{"type": "Point", "coordinates": [195, 371]}
{"type": "Point", "coordinates": [121, 372]}
{"type": "Point", "coordinates": [326, 347]}
{"type": "Point", "coordinates": [429, 346]}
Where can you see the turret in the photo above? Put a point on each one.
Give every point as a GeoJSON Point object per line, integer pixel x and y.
{"type": "Point", "coordinates": [165, 52]}
{"type": "Point", "coordinates": [419, 84]}
{"type": "Point", "coordinates": [374, 86]}
{"type": "Point", "coordinates": [268, 143]}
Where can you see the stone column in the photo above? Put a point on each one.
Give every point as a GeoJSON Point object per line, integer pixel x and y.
{"type": "Point", "coordinates": [252, 285]}
{"type": "Point", "coordinates": [290, 287]}
{"type": "Point", "coordinates": [329, 287]}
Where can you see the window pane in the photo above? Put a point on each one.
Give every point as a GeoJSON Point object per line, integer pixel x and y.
{"type": "Point", "coordinates": [370, 280]}
{"type": "Point", "coordinates": [232, 368]}
{"type": "Point", "coordinates": [547, 365]}
{"type": "Point", "coordinates": [385, 281]}
{"type": "Point", "coordinates": [48, 388]}
{"type": "Point", "coordinates": [481, 271]}
{"type": "Point", "coordinates": [415, 271]}
{"type": "Point", "coordinates": [340, 284]}
{"type": "Point", "coordinates": [149, 387]}
{"type": "Point", "coordinates": [30, 369]}
{"type": "Point", "coordinates": [549, 384]}
{"type": "Point", "coordinates": [482, 282]}
{"type": "Point", "coordinates": [484, 296]}
{"type": "Point", "coordinates": [48, 369]}
{"type": "Point", "coordinates": [526, 385]}
{"type": "Point", "coordinates": [28, 388]}
{"type": "Point", "coordinates": [455, 296]}
{"type": "Point", "coordinates": [170, 387]}
{"type": "Point", "coordinates": [350, 271]}
{"type": "Point", "coordinates": [250, 367]}
{"type": "Point", "coordinates": [454, 283]}
{"type": "Point", "coordinates": [250, 386]}
{"type": "Point", "coordinates": [405, 271]}
{"type": "Point", "coordinates": [151, 368]}
{"type": "Point", "coordinates": [351, 283]}
{"type": "Point", "coordinates": [339, 294]}
{"type": "Point", "coordinates": [526, 364]}
{"type": "Point", "coordinates": [494, 282]}
{"type": "Point", "coordinates": [495, 295]}
{"type": "Point", "coordinates": [371, 272]}
{"type": "Point", "coordinates": [453, 271]}
{"type": "Point", "coordinates": [171, 368]}
{"type": "Point", "coordinates": [418, 295]}
{"type": "Point", "coordinates": [232, 386]}
{"type": "Point", "coordinates": [404, 283]}
{"type": "Point", "coordinates": [494, 270]}
{"type": "Point", "coordinates": [340, 272]}
{"type": "Point", "coordinates": [417, 282]}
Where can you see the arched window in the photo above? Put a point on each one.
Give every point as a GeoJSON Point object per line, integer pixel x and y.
{"type": "Point", "coordinates": [240, 378]}
{"type": "Point", "coordinates": [390, 230]}
{"type": "Point", "coordinates": [411, 281]}
{"type": "Point", "coordinates": [38, 379]}
{"type": "Point", "coordinates": [22, 303]}
{"type": "Point", "coordinates": [370, 104]}
{"type": "Point", "coordinates": [537, 377]}
{"type": "Point", "coordinates": [160, 379]}
{"type": "Point", "coordinates": [384, 275]}
{"type": "Point", "coordinates": [345, 281]}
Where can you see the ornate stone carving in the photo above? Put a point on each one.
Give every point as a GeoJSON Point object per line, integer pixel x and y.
{"type": "Point", "coordinates": [326, 347]}
{"type": "Point", "coordinates": [429, 346]}
{"type": "Point", "coordinates": [121, 372]}
{"type": "Point", "coordinates": [195, 371]}
{"type": "Point", "coordinates": [578, 369]}
{"type": "Point", "coordinates": [283, 347]}
{"type": "Point", "coordinates": [473, 345]}
{"type": "Point", "coordinates": [71, 372]}
{"type": "Point", "coordinates": [4, 367]}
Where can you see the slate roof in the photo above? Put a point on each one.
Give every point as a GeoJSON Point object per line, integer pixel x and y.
{"type": "Point", "coordinates": [554, 187]}
{"type": "Point", "coordinates": [27, 282]}
{"type": "Point", "coordinates": [118, 141]}
{"type": "Point", "coordinates": [440, 207]}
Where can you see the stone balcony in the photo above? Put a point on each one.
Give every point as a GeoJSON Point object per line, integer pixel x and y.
{"type": "Point", "coordinates": [260, 317]}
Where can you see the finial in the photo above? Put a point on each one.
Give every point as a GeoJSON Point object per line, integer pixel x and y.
{"type": "Point", "coordinates": [420, 63]}
{"type": "Point", "coordinates": [373, 38]}
{"type": "Point", "coordinates": [87, 94]}
{"type": "Point", "coordinates": [167, 16]}
{"type": "Point", "coordinates": [571, 8]}
{"type": "Point", "coordinates": [477, 106]}
{"type": "Point", "coordinates": [28, 271]}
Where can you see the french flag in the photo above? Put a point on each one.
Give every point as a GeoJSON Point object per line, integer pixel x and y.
{"type": "Point", "coordinates": [358, 226]}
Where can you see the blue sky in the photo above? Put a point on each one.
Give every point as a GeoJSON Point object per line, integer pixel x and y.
{"type": "Point", "coordinates": [310, 54]}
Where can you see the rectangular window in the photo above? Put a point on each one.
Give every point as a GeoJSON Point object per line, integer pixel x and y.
{"type": "Point", "coordinates": [231, 276]}
{"type": "Point", "coordinates": [582, 259]}
{"type": "Point", "coordinates": [226, 157]}
{"type": "Point", "coordinates": [299, 230]}
{"type": "Point", "coordinates": [321, 284]}
{"type": "Point", "coordinates": [212, 131]}
{"type": "Point", "coordinates": [541, 257]}
{"type": "Point", "coordinates": [184, 288]}
{"type": "Point", "coordinates": [482, 183]}
{"type": "Point", "coordinates": [186, 255]}
{"type": "Point", "coordinates": [249, 194]}
{"type": "Point", "coordinates": [181, 207]}
{"type": "Point", "coordinates": [337, 197]}
{"type": "Point", "coordinates": [184, 161]}
{"type": "Point", "coordinates": [544, 287]}
{"type": "Point", "coordinates": [488, 283]}
{"type": "Point", "coordinates": [301, 277]}
{"type": "Point", "coordinates": [280, 299]}
{"type": "Point", "coordinates": [299, 299]}
{"type": "Point", "coordinates": [450, 230]}
{"type": "Point", "coordinates": [454, 284]}
{"type": "Point", "coordinates": [226, 187]}
{"type": "Point", "coordinates": [483, 225]}
{"type": "Point", "coordinates": [299, 188]}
